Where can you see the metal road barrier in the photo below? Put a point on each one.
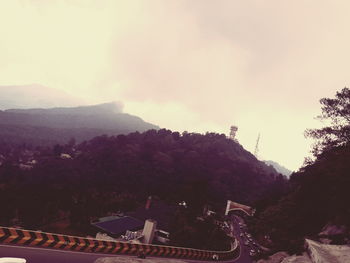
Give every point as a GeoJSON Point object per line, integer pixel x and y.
{"type": "Point", "coordinates": [56, 241]}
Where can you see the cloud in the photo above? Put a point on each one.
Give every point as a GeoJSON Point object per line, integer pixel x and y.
{"type": "Point", "coordinates": [189, 65]}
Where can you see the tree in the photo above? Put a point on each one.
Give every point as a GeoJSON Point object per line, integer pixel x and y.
{"type": "Point", "coordinates": [337, 112]}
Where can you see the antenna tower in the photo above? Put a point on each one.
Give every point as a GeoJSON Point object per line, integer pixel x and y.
{"type": "Point", "coordinates": [233, 131]}
{"type": "Point", "coordinates": [257, 147]}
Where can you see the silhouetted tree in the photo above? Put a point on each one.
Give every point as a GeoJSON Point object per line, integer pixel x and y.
{"type": "Point", "coordinates": [337, 133]}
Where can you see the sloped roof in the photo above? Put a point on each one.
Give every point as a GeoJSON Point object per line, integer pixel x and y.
{"type": "Point", "coordinates": [160, 212]}
{"type": "Point", "coordinates": [120, 225]}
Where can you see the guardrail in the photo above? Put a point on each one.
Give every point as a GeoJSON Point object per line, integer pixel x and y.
{"type": "Point", "coordinates": [64, 242]}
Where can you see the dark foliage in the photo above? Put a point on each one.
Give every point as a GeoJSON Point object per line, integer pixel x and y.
{"type": "Point", "coordinates": [109, 174]}
{"type": "Point", "coordinates": [319, 193]}
{"type": "Point", "coordinates": [337, 112]}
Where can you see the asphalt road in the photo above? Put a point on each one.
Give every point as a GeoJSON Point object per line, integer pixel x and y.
{"type": "Point", "coordinates": [42, 255]}
{"type": "Point", "coordinates": [244, 256]}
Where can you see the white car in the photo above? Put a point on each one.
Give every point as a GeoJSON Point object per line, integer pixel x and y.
{"type": "Point", "coordinates": [252, 253]}
{"type": "Point", "coordinates": [12, 260]}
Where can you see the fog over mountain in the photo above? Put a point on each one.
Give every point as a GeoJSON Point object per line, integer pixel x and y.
{"type": "Point", "coordinates": [100, 109]}
{"type": "Point", "coordinates": [35, 96]}
{"type": "Point", "coordinates": [57, 125]}
{"type": "Point", "coordinates": [279, 168]}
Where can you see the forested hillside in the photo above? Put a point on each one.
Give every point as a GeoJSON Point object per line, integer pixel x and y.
{"type": "Point", "coordinates": [110, 174]}
{"type": "Point", "coordinates": [317, 195]}
{"type": "Point", "coordinates": [46, 127]}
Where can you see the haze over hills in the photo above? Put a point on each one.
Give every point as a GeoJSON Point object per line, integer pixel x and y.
{"type": "Point", "coordinates": [34, 96]}
{"type": "Point", "coordinates": [58, 125]}
{"type": "Point", "coordinates": [279, 168]}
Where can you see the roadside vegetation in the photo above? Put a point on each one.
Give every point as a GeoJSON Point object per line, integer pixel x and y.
{"type": "Point", "coordinates": [316, 195]}
{"type": "Point", "coordinates": [64, 187]}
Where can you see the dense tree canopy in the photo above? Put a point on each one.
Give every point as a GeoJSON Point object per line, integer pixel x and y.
{"type": "Point", "coordinates": [319, 193]}
{"type": "Point", "coordinates": [337, 112]}
{"type": "Point", "coordinates": [118, 173]}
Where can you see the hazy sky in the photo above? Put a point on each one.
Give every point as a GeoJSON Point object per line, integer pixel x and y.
{"type": "Point", "coordinates": [195, 65]}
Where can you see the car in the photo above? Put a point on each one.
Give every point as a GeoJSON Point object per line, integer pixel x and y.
{"type": "Point", "coordinates": [241, 235]}
{"type": "Point", "coordinates": [246, 242]}
{"type": "Point", "coordinates": [12, 260]}
{"type": "Point", "coordinates": [252, 254]}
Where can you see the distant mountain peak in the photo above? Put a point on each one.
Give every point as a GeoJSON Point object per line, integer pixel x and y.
{"type": "Point", "coordinates": [279, 168]}
{"type": "Point", "coordinates": [105, 108]}
{"type": "Point", "coordinates": [57, 125]}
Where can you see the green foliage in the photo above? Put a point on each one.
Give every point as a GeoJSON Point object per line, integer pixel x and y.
{"type": "Point", "coordinates": [319, 193]}
{"type": "Point", "coordinates": [337, 112]}
{"type": "Point", "coordinates": [188, 231]}
{"type": "Point", "coordinates": [110, 174]}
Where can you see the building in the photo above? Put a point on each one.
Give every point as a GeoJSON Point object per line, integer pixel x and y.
{"type": "Point", "coordinates": [115, 226]}
{"type": "Point", "coordinates": [145, 224]}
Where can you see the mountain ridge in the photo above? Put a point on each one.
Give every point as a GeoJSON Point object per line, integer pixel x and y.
{"type": "Point", "coordinates": [279, 168]}
{"type": "Point", "coordinates": [56, 125]}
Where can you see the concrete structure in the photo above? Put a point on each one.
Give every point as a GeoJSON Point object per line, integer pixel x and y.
{"type": "Point", "coordinates": [316, 253]}
{"type": "Point", "coordinates": [231, 206]}
{"type": "Point", "coordinates": [148, 231]}
{"type": "Point", "coordinates": [327, 253]}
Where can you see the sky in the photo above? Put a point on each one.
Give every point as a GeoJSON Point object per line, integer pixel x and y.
{"type": "Point", "coordinates": [194, 65]}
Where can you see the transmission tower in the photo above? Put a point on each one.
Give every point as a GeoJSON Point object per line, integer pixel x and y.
{"type": "Point", "coordinates": [233, 131]}
{"type": "Point", "coordinates": [256, 152]}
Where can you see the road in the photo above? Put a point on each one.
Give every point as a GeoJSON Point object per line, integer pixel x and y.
{"type": "Point", "coordinates": [244, 256]}
{"type": "Point", "coordinates": [42, 255]}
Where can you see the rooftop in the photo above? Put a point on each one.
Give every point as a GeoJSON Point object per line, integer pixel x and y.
{"type": "Point", "coordinates": [119, 225]}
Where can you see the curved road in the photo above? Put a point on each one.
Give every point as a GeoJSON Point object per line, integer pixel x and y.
{"type": "Point", "coordinates": [244, 256]}
{"type": "Point", "coordinates": [43, 255]}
